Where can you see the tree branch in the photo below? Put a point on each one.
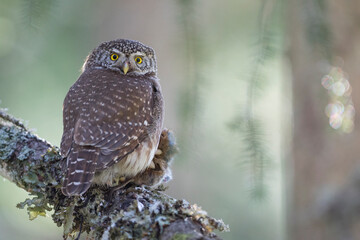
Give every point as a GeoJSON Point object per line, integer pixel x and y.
{"type": "Point", "coordinates": [130, 213]}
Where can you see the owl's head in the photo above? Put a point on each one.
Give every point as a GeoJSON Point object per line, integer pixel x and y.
{"type": "Point", "coordinates": [125, 56]}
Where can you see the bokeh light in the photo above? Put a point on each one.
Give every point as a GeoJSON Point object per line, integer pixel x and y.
{"type": "Point", "coordinates": [340, 109]}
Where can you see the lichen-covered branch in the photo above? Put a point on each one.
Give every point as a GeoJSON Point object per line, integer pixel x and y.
{"type": "Point", "coordinates": [130, 213]}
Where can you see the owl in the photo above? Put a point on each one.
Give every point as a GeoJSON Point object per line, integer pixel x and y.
{"type": "Point", "coordinates": [112, 117]}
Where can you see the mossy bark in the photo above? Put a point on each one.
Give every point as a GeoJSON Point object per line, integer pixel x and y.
{"type": "Point", "coordinates": [130, 213]}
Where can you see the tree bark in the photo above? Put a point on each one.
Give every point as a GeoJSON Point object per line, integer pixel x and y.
{"type": "Point", "coordinates": [131, 213]}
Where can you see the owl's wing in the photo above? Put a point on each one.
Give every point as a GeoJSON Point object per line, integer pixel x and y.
{"type": "Point", "coordinates": [119, 120]}
{"type": "Point", "coordinates": [111, 141]}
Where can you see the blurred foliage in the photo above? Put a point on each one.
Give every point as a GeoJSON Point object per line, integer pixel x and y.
{"type": "Point", "coordinates": [318, 27]}
{"type": "Point", "coordinates": [35, 12]}
{"type": "Point", "coordinates": [256, 157]}
{"type": "Point", "coordinates": [190, 105]}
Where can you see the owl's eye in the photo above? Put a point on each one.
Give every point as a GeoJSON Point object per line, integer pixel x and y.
{"type": "Point", "coordinates": [114, 57]}
{"type": "Point", "coordinates": [138, 60]}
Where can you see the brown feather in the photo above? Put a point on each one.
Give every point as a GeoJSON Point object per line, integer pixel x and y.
{"type": "Point", "coordinates": [81, 165]}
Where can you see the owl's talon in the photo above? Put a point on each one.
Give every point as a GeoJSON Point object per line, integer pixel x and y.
{"type": "Point", "coordinates": [122, 185]}
{"type": "Point", "coordinates": [112, 190]}
{"type": "Point", "coordinates": [152, 165]}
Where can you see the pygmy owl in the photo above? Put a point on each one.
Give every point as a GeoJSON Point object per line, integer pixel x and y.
{"type": "Point", "coordinates": [112, 116]}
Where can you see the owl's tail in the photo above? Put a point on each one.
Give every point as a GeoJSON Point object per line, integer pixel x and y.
{"type": "Point", "coordinates": [80, 169]}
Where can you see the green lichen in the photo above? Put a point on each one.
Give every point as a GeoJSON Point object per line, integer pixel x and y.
{"type": "Point", "coordinates": [30, 178]}
{"type": "Point", "coordinates": [181, 236]}
{"type": "Point", "coordinates": [35, 206]}
{"type": "Point", "coordinates": [36, 211]}
{"type": "Point", "coordinates": [25, 153]}
{"type": "Point", "coordinates": [32, 163]}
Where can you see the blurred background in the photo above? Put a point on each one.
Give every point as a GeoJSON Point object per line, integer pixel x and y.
{"type": "Point", "coordinates": [260, 94]}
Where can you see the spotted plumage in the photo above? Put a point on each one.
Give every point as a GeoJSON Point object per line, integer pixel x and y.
{"type": "Point", "coordinates": [112, 116]}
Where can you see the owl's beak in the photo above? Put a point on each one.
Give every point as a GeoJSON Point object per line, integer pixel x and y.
{"type": "Point", "coordinates": [125, 67]}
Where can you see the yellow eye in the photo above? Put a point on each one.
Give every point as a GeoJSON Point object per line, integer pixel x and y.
{"type": "Point", "coordinates": [138, 60]}
{"type": "Point", "coordinates": [114, 57]}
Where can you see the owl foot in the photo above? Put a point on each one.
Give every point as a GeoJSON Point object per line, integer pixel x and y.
{"type": "Point", "coordinates": [122, 184]}
{"type": "Point", "coordinates": [152, 165]}
{"type": "Point", "coordinates": [158, 172]}
{"type": "Point", "coordinates": [158, 152]}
